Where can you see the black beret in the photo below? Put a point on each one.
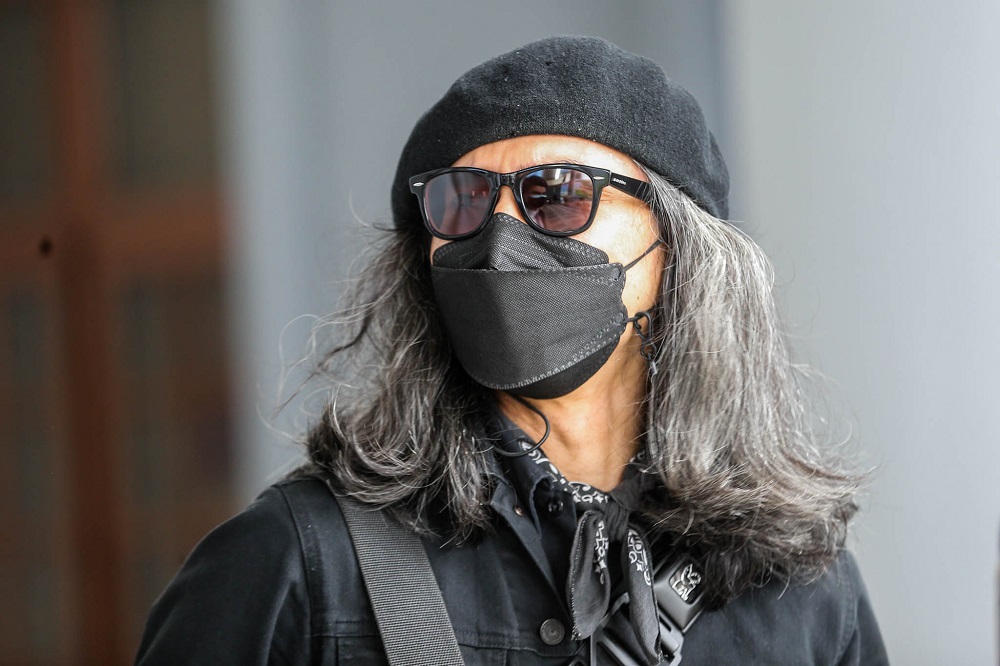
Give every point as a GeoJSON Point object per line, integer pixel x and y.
{"type": "Point", "coordinates": [576, 86]}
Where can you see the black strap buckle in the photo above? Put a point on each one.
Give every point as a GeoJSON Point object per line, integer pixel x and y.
{"type": "Point", "coordinates": [677, 585]}
{"type": "Point", "coordinates": [678, 588]}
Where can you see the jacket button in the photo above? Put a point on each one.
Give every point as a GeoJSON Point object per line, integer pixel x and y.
{"type": "Point", "coordinates": [518, 510]}
{"type": "Point", "coordinates": [552, 632]}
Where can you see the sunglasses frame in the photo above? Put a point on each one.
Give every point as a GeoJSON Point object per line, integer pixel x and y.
{"type": "Point", "coordinates": [601, 178]}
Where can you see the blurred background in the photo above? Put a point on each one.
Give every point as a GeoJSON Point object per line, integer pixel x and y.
{"type": "Point", "coordinates": [184, 183]}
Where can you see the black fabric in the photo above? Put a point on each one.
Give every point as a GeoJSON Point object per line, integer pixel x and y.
{"type": "Point", "coordinates": [596, 580]}
{"type": "Point", "coordinates": [528, 313]}
{"type": "Point", "coordinates": [403, 592]}
{"type": "Point", "coordinates": [267, 587]}
{"type": "Point", "coordinates": [576, 86]}
{"type": "Point", "coordinates": [551, 507]}
{"type": "Point", "coordinates": [604, 529]}
{"type": "Point", "coordinates": [600, 534]}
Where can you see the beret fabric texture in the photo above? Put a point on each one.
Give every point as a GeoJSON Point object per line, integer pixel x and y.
{"type": "Point", "coordinates": [577, 86]}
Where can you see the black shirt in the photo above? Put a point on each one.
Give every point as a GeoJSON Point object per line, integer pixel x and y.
{"type": "Point", "coordinates": [550, 507]}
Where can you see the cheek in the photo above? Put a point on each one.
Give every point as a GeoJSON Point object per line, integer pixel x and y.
{"type": "Point", "coordinates": [435, 244]}
{"type": "Point", "coordinates": [642, 282]}
{"type": "Point", "coordinates": [624, 234]}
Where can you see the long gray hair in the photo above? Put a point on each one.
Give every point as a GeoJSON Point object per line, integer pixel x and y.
{"type": "Point", "coordinates": [745, 482]}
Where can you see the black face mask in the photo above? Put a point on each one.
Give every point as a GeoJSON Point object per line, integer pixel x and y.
{"type": "Point", "coordinates": [527, 313]}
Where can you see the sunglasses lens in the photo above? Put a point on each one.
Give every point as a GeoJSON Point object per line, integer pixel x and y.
{"type": "Point", "coordinates": [456, 203]}
{"type": "Point", "coordinates": [558, 199]}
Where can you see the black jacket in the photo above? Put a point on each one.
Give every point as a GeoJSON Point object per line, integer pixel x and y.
{"type": "Point", "coordinates": [257, 591]}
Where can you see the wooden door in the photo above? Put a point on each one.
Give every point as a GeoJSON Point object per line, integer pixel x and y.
{"type": "Point", "coordinates": [114, 416]}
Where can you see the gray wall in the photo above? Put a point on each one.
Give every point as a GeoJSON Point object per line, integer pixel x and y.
{"type": "Point", "coordinates": [869, 151]}
{"type": "Point", "coordinates": [864, 148]}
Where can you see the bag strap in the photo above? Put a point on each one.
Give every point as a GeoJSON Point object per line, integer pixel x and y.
{"type": "Point", "coordinates": [404, 594]}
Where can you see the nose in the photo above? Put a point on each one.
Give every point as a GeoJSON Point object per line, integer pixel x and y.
{"type": "Point", "coordinates": [506, 203]}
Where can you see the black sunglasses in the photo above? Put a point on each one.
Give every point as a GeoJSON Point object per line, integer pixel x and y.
{"type": "Point", "coordinates": [556, 199]}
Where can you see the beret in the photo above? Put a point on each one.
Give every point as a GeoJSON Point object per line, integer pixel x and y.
{"type": "Point", "coordinates": [576, 86]}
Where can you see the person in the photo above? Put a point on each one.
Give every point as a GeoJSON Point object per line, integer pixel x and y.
{"type": "Point", "coordinates": [563, 371]}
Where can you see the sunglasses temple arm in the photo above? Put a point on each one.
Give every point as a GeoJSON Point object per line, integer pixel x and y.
{"type": "Point", "coordinates": [637, 188]}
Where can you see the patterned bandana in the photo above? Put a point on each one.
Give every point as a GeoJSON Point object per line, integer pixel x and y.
{"type": "Point", "coordinates": [603, 528]}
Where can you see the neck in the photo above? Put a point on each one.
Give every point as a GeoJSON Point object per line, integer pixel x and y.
{"type": "Point", "coordinates": [596, 429]}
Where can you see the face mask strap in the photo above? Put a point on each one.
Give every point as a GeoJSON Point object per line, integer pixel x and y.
{"type": "Point", "coordinates": [648, 347]}
{"type": "Point", "coordinates": [643, 255]}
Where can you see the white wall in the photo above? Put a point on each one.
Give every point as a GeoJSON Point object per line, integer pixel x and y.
{"type": "Point", "coordinates": [869, 153]}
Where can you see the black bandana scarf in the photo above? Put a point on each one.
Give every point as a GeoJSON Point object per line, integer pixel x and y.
{"type": "Point", "coordinates": [605, 529]}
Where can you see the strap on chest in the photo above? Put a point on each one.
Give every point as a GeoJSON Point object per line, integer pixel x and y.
{"type": "Point", "coordinates": [405, 598]}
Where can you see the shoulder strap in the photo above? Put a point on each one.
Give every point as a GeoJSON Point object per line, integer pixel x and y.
{"type": "Point", "coordinates": [404, 594]}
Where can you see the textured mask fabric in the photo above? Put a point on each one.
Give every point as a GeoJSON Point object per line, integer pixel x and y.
{"type": "Point", "coordinates": [528, 313]}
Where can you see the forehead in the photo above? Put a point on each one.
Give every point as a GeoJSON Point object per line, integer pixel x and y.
{"type": "Point", "coordinates": [524, 151]}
